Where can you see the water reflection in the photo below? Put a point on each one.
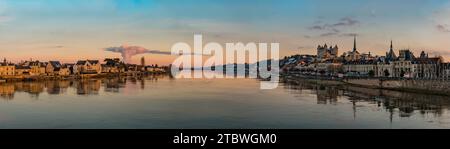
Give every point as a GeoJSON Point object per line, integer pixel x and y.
{"type": "Point", "coordinates": [161, 102]}
{"type": "Point", "coordinates": [405, 103]}
{"type": "Point", "coordinates": [82, 87]}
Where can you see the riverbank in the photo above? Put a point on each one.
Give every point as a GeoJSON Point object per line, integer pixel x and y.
{"type": "Point", "coordinates": [316, 81]}
{"type": "Point", "coordinates": [75, 77]}
{"type": "Point", "coordinates": [433, 87]}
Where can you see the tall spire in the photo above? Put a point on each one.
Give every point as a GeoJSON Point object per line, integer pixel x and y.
{"type": "Point", "coordinates": [354, 43]}
{"type": "Point", "coordinates": [391, 54]}
{"type": "Point", "coordinates": [391, 45]}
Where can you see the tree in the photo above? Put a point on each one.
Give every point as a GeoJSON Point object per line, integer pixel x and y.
{"type": "Point", "coordinates": [386, 73]}
{"type": "Point", "coordinates": [371, 73]}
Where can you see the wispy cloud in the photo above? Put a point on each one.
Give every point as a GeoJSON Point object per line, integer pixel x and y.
{"type": "Point", "coordinates": [339, 34]}
{"type": "Point", "coordinates": [304, 47]}
{"type": "Point", "coordinates": [346, 21]}
{"type": "Point", "coordinates": [350, 34]}
{"type": "Point", "coordinates": [443, 28]}
{"type": "Point", "coordinates": [343, 22]}
{"type": "Point", "coordinates": [440, 19]}
{"type": "Point", "coordinates": [317, 27]}
{"type": "Point", "coordinates": [335, 28]}
{"type": "Point", "coordinates": [57, 47]}
{"type": "Point", "coordinates": [130, 51]}
{"type": "Point", "coordinates": [328, 34]}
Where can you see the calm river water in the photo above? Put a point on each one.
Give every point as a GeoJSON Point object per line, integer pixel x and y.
{"type": "Point", "coordinates": [163, 102]}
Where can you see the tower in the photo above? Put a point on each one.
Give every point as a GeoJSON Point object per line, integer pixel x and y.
{"type": "Point", "coordinates": [335, 51]}
{"type": "Point", "coordinates": [423, 55]}
{"type": "Point", "coordinates": [391, 54]}
{"type": "Point", "coordinates": [391, 46]}
{"type": "Point", "coordinates": [354, 43]}
{"type": "Point", "coordinates": [143, 61]}
{"type": "Point", "coordinates": [321, 51]}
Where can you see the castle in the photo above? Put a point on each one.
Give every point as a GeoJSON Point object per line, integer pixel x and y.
{"type": "Point", "coordinates": [325, 52]}
{"type": "Point", "coordinates": [403, 64]}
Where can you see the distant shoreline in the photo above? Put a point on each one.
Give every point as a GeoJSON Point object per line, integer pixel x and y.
{"type": "Point", "coordinates": [75, 77]}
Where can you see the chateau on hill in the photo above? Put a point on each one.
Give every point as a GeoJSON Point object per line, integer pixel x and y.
{"type": "Point", "coordinates": [356, 64]}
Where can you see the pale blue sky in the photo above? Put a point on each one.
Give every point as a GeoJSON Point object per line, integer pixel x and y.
{"type": "Point", "coordinates": [74, 29]}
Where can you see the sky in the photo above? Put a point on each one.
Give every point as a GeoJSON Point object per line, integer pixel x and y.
{"type": "Point", "coordinates": [69, 30]}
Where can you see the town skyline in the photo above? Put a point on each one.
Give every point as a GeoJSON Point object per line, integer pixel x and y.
{"type": "Point", "coordinates": [137, 58]}
{"type": "Point", "coordinates": [70, 30]}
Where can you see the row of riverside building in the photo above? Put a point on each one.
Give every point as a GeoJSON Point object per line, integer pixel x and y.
{"type": "Point", "coordinates": [356, 64]}
{"type": "Point", "coordinates": [81, 67]}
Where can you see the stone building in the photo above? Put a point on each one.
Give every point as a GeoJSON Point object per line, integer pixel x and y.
{"type": "Point", "coordinates": [353, 63]}
{"type": "Point", "coordinates": [52, 68]}
{"type": "Point", "coordinates": [112, 66]}
{"type": "Point", "coordinates": [427, 67]}
{"type": "Point", "coordinates": [384, 67]}
{"type": "Point", "coordinates": [403, 65]}
{"type": "Point", "coordinates": [89, 67]}
{"type": "Point", "coordinates": [360, 68]}
{"type": "Point", "coordinates": [22, 70]}
{"type": "Point", "coordinates": [37, 68]}
{"type": "Point", "coordinates": [64, 70]}
{"type": "Point", "coordinates": [353, 55]}
{"type": "Point", "coordinates": [446, 70]}
{"type": "Point", "coordinates": [325, 52]}
{"type": "Point", "coordinates": [7, 69]}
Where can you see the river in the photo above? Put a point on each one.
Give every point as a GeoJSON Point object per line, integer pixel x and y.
{"type": "Point", "coordinates": [164, 102]}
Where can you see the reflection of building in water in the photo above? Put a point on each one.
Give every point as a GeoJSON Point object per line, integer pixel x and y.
{"type": "Point", "coordinates": [83, 87]}
{"type": "Point", "coordinates": [155, 77]}
{"type": "Point", "coordinates": [7, 91]}
{"type": "Point", "coordinates": [327, 94]}
{"type": "Point", "coordinates": [405, 103]}
{"type": "Point", "coordinates": [114, 84]}
{"type": "Point", "coordinates": [33, 88]}
{"type": "Point", "coordinates": [407, 108]}
{"type": "Point", "coordinates": [142, 84]}
{"type": "Point", "coordinates": [133, 80]}
{"type": "Point", "coordinates": [88, 87]}
{"type": "Point", "coordinates": [57, 87]}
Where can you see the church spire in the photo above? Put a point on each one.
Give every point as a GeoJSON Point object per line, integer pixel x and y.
{"type": "Point", "coordinates": [391, 46]}
{"type": "Point", "coordinates": [391, 54]}
{"type": "Point", "coordinates": [354, 43]}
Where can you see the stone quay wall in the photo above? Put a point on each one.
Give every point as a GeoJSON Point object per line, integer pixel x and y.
{"type": "Point", "coordinates": [429, 86]}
